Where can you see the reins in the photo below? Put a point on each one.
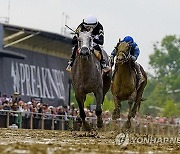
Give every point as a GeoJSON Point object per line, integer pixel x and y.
{"type": "Point", "coordinates": [126, 58]}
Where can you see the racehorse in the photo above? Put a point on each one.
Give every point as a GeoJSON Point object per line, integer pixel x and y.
{"type": "Point", "coordinates": [87, 77]}
{"type": "Point", "coordinates": [125, 84]}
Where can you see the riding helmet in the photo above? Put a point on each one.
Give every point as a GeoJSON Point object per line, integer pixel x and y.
{"type": "Point", "coordinates": [128, 39]}
{"type": "Point", "coordinates": [90, 21]}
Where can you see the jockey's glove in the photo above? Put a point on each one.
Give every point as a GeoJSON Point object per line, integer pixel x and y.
{"type": "Point", "coordinates": [133, 58]}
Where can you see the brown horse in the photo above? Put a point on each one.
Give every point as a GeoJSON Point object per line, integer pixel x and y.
{"type": "Point", "coordinates": [87, 77]}
{"type": "Point", "coordinates": [125, 84]}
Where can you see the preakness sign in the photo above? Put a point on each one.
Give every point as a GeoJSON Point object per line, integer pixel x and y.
{"type": "Point", "coordinates": [38, 75]}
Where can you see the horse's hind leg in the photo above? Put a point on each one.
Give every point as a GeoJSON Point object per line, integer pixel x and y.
{"type": "Point", "coordinates": [81, 100]}
{"type": "Point", "coordinates": [137, 103]}
{"type": "Point", "coordinates": [99, 100]}
{"type": "Point", "coordinates": [116, 112]}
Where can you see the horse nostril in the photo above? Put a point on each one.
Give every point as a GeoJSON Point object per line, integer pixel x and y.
{"type": "Point", "coordinates": [85, 51]}
{"type": "Point", "coordinates": [84, 48]}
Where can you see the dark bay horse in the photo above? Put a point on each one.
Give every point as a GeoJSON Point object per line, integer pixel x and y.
{"type": "Point", "coordinates": [125, 85]}
{"type": "Point", "coordinates": [87, 77]}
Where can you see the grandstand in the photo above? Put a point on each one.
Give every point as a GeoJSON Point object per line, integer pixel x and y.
{"type": "Point", "coordinates": [32, 64]}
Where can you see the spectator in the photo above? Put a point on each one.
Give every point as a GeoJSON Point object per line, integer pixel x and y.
{"type": "Point", "coordinates": [6, 106]}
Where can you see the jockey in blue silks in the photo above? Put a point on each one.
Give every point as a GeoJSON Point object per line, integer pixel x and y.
{"type": "Point", "coordinates": [134, 52]}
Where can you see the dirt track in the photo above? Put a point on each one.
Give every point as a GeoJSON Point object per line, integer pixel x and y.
{"type": "Point", "coordinates": [21, 141]}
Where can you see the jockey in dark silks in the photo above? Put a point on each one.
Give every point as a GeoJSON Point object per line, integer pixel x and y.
{"type": "Point", "coordinates": [134, 55]}
{"type": "Point", "coordinates": [90, 23]}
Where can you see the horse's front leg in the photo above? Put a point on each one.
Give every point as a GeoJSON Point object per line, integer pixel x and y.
{"type": "Point", "coordinates": [128, 122]}
{"type": "Point", "coordinates": [116, 112]}
{"type": "Point", "coordinates": [99, 101]}
{"type": "Point", "coordinates": [81, 99]}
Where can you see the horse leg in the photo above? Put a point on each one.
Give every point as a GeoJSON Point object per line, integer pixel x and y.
{"type": "Point", "coordinates": [139, 96]}
{"type": "Point", "coordinates": [128, 122]}
{"type": "Point", "coordinates": [116, 112]}
{"type": "Point", "coordinates": [138, 100]}
{"type": "Point", "coordinates": [135, 106]}
{"type": "Point", "coordinates": [81, 100]}
{"type": "Point", "coordinates": [99, 100]}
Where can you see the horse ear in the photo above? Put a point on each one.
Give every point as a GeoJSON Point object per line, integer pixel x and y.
{"type": "Point", "coordinates": [119, 39]}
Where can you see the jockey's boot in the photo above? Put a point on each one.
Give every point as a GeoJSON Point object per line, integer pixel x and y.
{"type": "Point", "coordinates": [70, 63]}
{"type": "Point", "coordinates": [139, 74]}
{"type": "Point", "coordinates": [105, 67]}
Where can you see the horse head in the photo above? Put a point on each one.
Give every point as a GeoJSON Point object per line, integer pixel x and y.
{"type": "Point", "coordinates": [85, 43]}
{"type": "Point", "coordinates": [123, 52]}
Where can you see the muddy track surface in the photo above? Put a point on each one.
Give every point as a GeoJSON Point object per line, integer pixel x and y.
{"type": "Point", "coordinates": [21, 141]}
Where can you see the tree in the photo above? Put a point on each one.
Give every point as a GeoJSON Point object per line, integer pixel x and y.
{"type": "Point", "coordinates": [156, 96]}
{"type": "Point", "coordinates": [89, 99]}
{"type": "Point", "coordinates": [108, 105]}
{"type": "Point", "coordinates": [170, 109]}
{"type": "Point", "coordinates": [166, 62]}
{"type": "Point", "coordinates": [163, 85]}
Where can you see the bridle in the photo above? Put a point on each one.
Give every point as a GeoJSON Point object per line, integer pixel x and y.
{"type": "Point", "coordinates": [85, 44]}
{"type": "Point", "coordinates": [125, 56]}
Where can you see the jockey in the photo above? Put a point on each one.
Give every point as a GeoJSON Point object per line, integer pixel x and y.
{"type": "Point", "coordinates": [90, 23]}
{"type": "Point", "coordinates": [134, 55]}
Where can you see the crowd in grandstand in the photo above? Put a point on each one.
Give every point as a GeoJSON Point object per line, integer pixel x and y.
{"type": "Point", "coordinates": [33, 106]}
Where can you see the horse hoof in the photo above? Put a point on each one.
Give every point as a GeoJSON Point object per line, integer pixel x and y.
{"type": "Point", "coordinates": [133, 114]}
{"type": "Point", "coordinates": [127, 125]}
